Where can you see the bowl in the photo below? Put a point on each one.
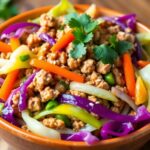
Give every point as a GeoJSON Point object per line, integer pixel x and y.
{"type": "Point", "coordinates": [19, 139]}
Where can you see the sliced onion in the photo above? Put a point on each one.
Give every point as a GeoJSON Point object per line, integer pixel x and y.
{"type": "Point", "coordinates": [98, 109]}
{"type": "Point", "coordinates": [38, 128]}
{"type": "Point", "coordinates": [47, 38]}
{"type": "Point", "coordinates": [124, 97]}
{"type": "Point", "coordinates": [92, 90]}
{"type": "Point", "coordinates": [8, 32]}
{"type": "Point", "coordinates": [126, 109]}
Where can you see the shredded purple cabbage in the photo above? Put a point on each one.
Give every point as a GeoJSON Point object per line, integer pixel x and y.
{"type": "Point", "coordinates": [83, 136]}
{"type": "Point", "coordinates": [115, 129]}
{"type": "Point", "coordinates": [8, 111]}
{"type": "Point", "coordinates": [47, 38]}
{"type": "Point", "coordinates": [98, 109]}
{"type": "Point", "coordinates": [23, 93]}
{"type": "Point", "coordinates": [17, 30]}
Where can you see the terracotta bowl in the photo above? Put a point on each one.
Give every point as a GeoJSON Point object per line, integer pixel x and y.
{"type": "Point", "coordinates": [21, 140]}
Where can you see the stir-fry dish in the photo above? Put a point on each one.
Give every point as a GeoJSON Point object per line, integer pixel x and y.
{"type": "Point", "coordinates": [75, 76]}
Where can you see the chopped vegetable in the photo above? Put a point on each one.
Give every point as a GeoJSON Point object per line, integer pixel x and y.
{"type": "Point", "coordinates": [141, 95]}
{"type": "Point", "coordinates": [14, 27]}
{"type": "Point", "coordinates": [98, 109]}
{"type": "Point", "coordinates": [1, 107]}
{"type": "Point", "coordinates": [47, 38]}
{"type": "Point", "coordinates": [144, 38]}
{"type": "Point", "coordinates": [109, 78]}
{"type": "Point", "coordinates": [129, 74]}
{"type": "Point", "coordinates": [65, 119]}
{"type": "Point", "coordinates": [23, 93]}
{"type": "Point", "coordinates": [64, 7]}
{"type": "Point", "coordinates": [92, 90]}
{"type": "Point", "coordinates": [124, 97]}
{"type": "Point", "coordinates": [24, 57]}
{"type": "Point", "coordinates": [38, 128]}
{"type": "Point", "coordinates": [8, 84]}
{"type": "Point", "coordinates": [70, 110]}
{"type": "Point", "coordinates": [83, 136]}
{"type": "Point", "coordinates": [92, 11]}
{"type": "Point", "coordinates": [57, 70]}
{"type": "Point", "coordinates": [51, 104]}
{"type": "Point", "coordinates": [5, 48]}
{"type": "Point", "coordinates": [8, 111]}
{"type": "Point", "coordinates": [63, 42]}
{"type": "Point", "coordinates": [115, 129]}
{"type": "Point", "coordinates": [145, 74]}
{"type": "Point", "coordinates": [15, 43]}
{"type": "Point", "coordinates": [143, 63]}
{"type": "Point", "coordinates": [15, 62]}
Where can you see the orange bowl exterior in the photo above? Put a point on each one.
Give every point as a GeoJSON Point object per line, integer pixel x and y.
{"type": "Point", "coordinates": [22, 140]}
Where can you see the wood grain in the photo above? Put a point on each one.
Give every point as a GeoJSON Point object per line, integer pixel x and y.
{"type": "Point", "coordinates": [140, 7]}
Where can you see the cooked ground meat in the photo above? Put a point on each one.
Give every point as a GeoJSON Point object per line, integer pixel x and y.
{"type": "Point", "coordinates": [34, 104]}
{"type": "Point", "coordinates": [103, 68]}
{"type": "Point", "coordinates": [53, 123]}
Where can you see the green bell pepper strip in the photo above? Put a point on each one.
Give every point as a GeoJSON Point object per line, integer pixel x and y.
{"type": "Point", "coordinates": [70, 110]}
{"type": "Point", "coordinates": [51, 104]}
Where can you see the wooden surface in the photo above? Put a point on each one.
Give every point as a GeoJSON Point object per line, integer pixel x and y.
{"type": "Point", "coordinates": [140, 7]}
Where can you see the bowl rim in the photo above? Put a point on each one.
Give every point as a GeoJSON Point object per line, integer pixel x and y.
{"type": "Point", "coordinates": [47, 141]}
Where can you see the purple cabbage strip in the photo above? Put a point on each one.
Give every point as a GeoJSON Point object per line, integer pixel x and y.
{"type": "Point", "coordinates": [83, 136]}
{"type": "Point", "coordinates": [8, 111]}
{"type": "Point", "coordinates": [98, 109]}
{"type": "Point", "coordinates": [115, 129]}
{"type": "Point", "coordinates": [47, 38]}
{"type": "Point", "coordinates": [23, 93]}
{"type": "Point", "coordinates": [8, 32]}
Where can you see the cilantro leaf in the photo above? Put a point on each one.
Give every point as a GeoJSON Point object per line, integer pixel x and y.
{"type": "Point", "coordinates": [70, 16]}
{"type": "Point", "coordinates": [113, 41]}
{"type": "Point", "coordinates": [73, 23]}
{"type": "Point", "coordinates": [88, 37]}
{"type": "Point", "coordinates": [120, 46]}
{"type": "Point", "coordinates": [91, 26]}
{"type": "Point", "coordinates": [124, 46]}
{"type": "Point", "coordinates": [84, 19]}
{"type": "Point", "coordinates": [105, 53]}
{"type": "Point", "coordinates": [78, 51]}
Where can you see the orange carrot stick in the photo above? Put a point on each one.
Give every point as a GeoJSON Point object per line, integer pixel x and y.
{"type": "Point", "coordinates": [129, 74]}
{"type": "Point", "coordinates": [57, 70]}
{"type": "Point", "coordinates": [8, 84]}
{"type": "Point", "coordinates": [5, 47]}
{"type": "Point", "coordinates": [63, 42]}
{"type": "Point", "coordinates": [143, 63]}
{"type": "Point", "coordinates": [11, 77]}
{"type": "Point", "coordinates": [15, 43]}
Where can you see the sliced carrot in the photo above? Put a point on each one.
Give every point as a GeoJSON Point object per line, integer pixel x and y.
{"type": "Point", "coordinates": [8, 84]}
{"type": "Point", "coordinates": [15, 43]}
{"type": "Point", "coordinates": [57, 70]}
{"type": "Point", "coordinates": [63, 42]}
{"type": "Point", "coordinates": [11, 77]}
{"type": "Point", "coordinates": [129, 74]}
{"type": "Point", "coordinates": [143, 63]}
{"type": "Point", "coordinates": [5, 48]}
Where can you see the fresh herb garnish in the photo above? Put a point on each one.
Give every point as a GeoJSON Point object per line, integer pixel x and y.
{"type": "Point", "coordinates": [24, 57]}
{"type": "Point", "coordinates": [83, 27]}
{"type": "Point", "coordinates": [62, 82]}
{"type": "Point", "coordinates": [108, 53]}
{"type": "Point", "coordinates": [105, 53]}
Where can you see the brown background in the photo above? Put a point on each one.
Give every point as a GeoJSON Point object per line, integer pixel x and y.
{"type": "Point", "coordinates": [140, 7]}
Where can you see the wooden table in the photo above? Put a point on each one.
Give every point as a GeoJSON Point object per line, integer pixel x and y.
{"type": "Point", "coordinates": [140, 7]}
